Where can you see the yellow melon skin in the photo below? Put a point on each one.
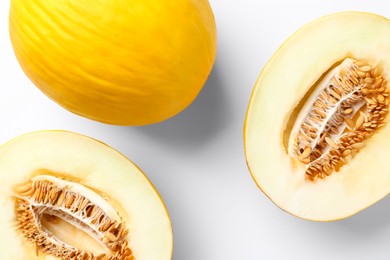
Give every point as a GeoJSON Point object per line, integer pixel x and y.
{"type": "Point", "coordinates": [118, 62]}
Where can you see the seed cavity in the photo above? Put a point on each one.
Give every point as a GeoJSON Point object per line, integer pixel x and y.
{"type": "Point", "coordinates": [347, 107]}
{"type": "Point", "coordinates": [47, 195]}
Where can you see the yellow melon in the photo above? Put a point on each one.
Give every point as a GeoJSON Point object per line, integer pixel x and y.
{"type": "Point", "coordinates": [119, 62]}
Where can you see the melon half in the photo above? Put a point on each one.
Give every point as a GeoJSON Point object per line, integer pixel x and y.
{"type": "Point", "coordinates": [317, 141]}
{"type": "Point", "coordinates": [67, 196]}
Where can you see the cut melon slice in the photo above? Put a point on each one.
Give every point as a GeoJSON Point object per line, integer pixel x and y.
{"type": "Point", "coordinates": [67, 196]}
{"type": "Point", "coordinates": [316, 138]}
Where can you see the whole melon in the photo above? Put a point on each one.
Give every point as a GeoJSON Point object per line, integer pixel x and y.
{"type": "Point", "coordinates": [122, 62]}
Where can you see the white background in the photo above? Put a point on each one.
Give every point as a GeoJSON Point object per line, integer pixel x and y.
{"type": "Point", "coordinates": [196, 159]}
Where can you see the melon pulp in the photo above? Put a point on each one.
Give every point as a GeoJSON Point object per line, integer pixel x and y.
{"type": "Point", "coordinates": [118, 62]}
{"type": "Point", "coordinates": [67, 196]}
{"type": "Point", "coordinates": [316, 138]}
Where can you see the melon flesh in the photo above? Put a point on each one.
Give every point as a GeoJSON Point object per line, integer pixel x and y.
{"type": "Point", "coordinates": [293, 70]}
{"type": "Point", "coordinates": [93, 168]}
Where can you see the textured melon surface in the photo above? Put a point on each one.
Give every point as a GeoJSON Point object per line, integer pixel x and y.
{"type": "Point", "coordinates": [99, 169]}
{"type": "Point", "coordinates": [119, 62]}
{"type": "Point", "coordinates": [281, 91]}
